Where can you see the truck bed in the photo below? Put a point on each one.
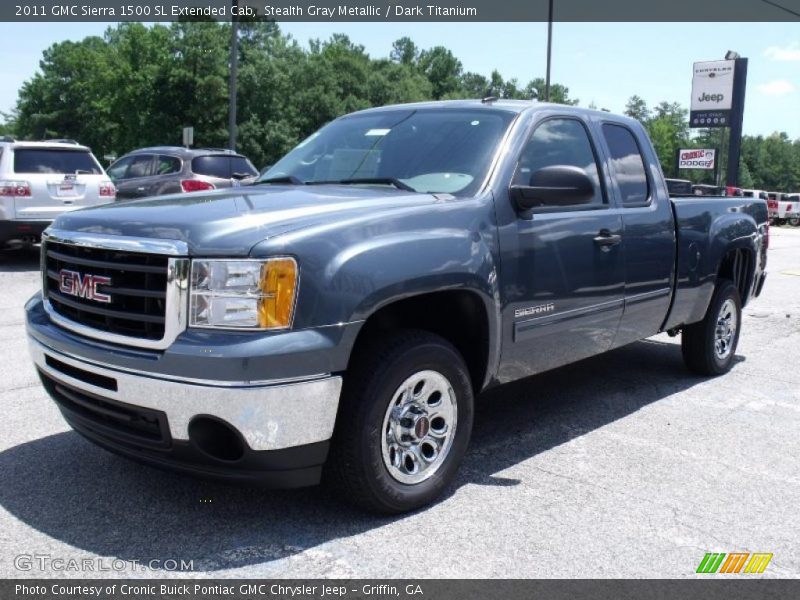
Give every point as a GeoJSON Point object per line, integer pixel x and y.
{"type": "Point", "coordinates": [707, 227]}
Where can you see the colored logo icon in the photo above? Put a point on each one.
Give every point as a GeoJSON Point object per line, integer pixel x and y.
{"type": "Point", "coordinates": [735, 562]}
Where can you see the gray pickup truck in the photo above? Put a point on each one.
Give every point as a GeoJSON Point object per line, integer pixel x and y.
{"type": "Point", "coordinates": [339, 317]}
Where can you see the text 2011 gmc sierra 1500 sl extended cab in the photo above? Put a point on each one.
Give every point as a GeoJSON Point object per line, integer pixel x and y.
{"type": "Point", "coordinates": [338, 317]}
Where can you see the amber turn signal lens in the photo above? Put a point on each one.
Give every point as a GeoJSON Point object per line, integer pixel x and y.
{"type": "Point", "coordinates": [278, 284]}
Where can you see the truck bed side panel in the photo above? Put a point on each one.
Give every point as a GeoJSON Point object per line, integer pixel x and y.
{"type": "Point", "coordinates": [707, 229]}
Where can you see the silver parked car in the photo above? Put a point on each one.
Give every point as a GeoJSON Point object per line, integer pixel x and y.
{"type": "Point", "coordinates": [41, 180]}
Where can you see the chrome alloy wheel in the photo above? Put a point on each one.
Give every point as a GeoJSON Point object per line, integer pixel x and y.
{"type": "Point", "coordinates": [725, 332]}
{"type": "Point", "coordinates": [419, 427]}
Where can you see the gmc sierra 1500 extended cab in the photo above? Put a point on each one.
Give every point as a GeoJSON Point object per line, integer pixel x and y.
{"type": "Point", "coordinates": [338, 317]}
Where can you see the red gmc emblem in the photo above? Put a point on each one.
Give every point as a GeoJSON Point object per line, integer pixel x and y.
{"type": "Point", "coordinates": [73, 283]}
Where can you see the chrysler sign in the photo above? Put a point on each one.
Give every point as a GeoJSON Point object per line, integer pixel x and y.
{"type": "Point", "coordinates": [712, 94]}
{"type": "Point", "coordinates": [696, 159]}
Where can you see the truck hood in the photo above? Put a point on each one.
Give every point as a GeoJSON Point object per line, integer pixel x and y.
{"type": "Point", "coordinates": [230, 222]}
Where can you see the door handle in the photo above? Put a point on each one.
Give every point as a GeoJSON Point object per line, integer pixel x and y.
{"type": "Point", "coordinates": [140, 189]}
{"type": "Point", "coordinates": [606, 239]}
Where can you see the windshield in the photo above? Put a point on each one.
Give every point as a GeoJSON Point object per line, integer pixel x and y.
{"type": "Point", "coordinates": [432, 151]}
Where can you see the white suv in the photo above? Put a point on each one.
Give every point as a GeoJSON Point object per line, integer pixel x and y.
{"type": "Point", "coordinates": [41, 180]}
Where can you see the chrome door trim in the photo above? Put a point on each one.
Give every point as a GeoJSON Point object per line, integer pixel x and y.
{"type": "Point", "coordinates": [523, 329]}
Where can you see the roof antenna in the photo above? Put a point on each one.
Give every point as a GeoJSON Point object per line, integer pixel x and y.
{"type": "Point", "coordinates": [489, 96]}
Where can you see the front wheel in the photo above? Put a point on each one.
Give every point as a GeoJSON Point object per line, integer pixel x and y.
{"type": "Point", "coordinates": [794, 221]}
{"type": "Point", "coordinates": [403, 425]}
{"type": "Point", "coordinates": [709, 346]}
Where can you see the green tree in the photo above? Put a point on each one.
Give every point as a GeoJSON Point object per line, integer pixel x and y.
{"type": "Point", "coordinates": [636, 108]}
{"type": "Point", "coordinates": [442, 69]}
{"type": "Point", "coordinates": [559, 94]}
{"type": "Point", "coordinates": [777, 164]}
{"type": "Point", "coordinates": [404, 51]}
{"type": "Point", "coordinates": [745, 179]}
{"type": "Point", "coordinates": [140, 85]}
{"type": "Point", "coordinates": [668, 127]}
{"type": "Point", "coordinates": [69, 97]}
{"type": "Point", "coordinates": [8, 125]}
{"type": "Point", "coordinates": [473, 85]}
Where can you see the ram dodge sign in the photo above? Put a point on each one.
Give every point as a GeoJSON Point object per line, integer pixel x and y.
{"type": "Point", "coordinates": [712, 94]}
{"type": "Point", "coordinates": [696, 159]}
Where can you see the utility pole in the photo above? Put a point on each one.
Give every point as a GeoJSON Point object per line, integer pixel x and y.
{"type": "Point", "coordinates": [234, 60]}
{"type": "Point", "coordinates": [549, 51]}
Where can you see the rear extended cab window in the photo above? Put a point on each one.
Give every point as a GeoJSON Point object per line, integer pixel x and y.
{"type": "Point", "coordinates": [223, 166]}
{"type": "Point", "coordinates": [55, 160]}
{"type": "Point", "coordinates": [629, 165]}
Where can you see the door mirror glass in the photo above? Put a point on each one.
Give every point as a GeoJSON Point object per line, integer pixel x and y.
{"type": "Point", "coordinates": [553, 186]}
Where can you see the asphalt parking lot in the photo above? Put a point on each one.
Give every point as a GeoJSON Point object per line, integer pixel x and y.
{"type": "Point", "coordinates": [623, 465]}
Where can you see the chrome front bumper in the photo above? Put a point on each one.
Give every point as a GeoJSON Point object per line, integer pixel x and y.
{"type": "Point", "coordinates": [269, 415]}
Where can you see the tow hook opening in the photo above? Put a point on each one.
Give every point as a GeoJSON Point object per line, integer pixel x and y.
{"type": "Point", "coordinates": [216, 438]}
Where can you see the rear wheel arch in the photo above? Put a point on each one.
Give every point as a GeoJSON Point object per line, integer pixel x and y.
{"type": "Point", "coordinates": [738, 265]}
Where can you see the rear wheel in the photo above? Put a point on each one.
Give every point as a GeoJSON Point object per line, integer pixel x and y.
{"type": "Point", "coordinates": [794, 221]}
{"type": "Point", "coordinates": [709, 346]}
{"type": "Point", "coordinates": [403, 425]}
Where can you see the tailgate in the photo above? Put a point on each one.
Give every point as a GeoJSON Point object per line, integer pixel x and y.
{"type": "Point", "coordinates": [61, 178]}
{"type": "Point", "coordinates": [53, 194]}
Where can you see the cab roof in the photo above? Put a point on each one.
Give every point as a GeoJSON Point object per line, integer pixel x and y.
{"type": "Point", "coordinates": [513, 106]}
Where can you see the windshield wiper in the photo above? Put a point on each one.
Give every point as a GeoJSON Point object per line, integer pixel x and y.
{"type": "Point", "coordinates": [283, 179]}
{"type": "Point", "coordinates": [369, 180]}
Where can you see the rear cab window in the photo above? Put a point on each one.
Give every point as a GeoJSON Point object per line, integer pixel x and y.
{"type": "Point", "coordinates": [223, 166]}
{"type": "Point", "coordinates": [61, 161]}
{"type": "Point", "coordinates": [629, 165]}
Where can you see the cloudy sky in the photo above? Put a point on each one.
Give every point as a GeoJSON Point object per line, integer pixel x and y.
{"type": "Point", "coordinates": [604, 63]}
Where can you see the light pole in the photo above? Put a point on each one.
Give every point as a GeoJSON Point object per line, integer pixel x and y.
{"type": "Point", "coordinates": [234, 60]}
{"type": "Point", "coordinates": [549, 51]}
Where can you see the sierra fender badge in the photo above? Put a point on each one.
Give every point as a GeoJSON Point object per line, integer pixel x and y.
{"type": "Point", "coordinates": [534, 310]}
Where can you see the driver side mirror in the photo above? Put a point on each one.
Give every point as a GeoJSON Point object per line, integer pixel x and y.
{"type": "Point", "coordinates": [554, 186]}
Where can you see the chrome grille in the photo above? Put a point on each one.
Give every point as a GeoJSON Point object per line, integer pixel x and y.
{"type": "Point", "coordinates": [138, 289]}
{"type": "Point", "coordinates": [139, 292]}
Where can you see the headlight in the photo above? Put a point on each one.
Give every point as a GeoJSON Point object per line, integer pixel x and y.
{"type": "Point", "coordinates": [243, 294]}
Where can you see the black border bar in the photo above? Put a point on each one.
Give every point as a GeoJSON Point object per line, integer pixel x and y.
{"type": "Point", "coordinates": [711, 11]}
{"type": "Point", "coordinates": [709, 587]}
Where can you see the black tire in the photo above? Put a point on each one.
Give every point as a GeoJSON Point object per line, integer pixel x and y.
{"type": "Point", "coordinates": [699, 340]}
{"type": "Point", "coordinates": [794, 221]}
{"type": "Point", "coordinates": [356, 465]}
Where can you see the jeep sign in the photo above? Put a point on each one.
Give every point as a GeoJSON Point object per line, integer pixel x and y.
{"type": "Point", "coordinates": [696, 159]}
{"type": "Point", "coordinates": [712, 94]}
